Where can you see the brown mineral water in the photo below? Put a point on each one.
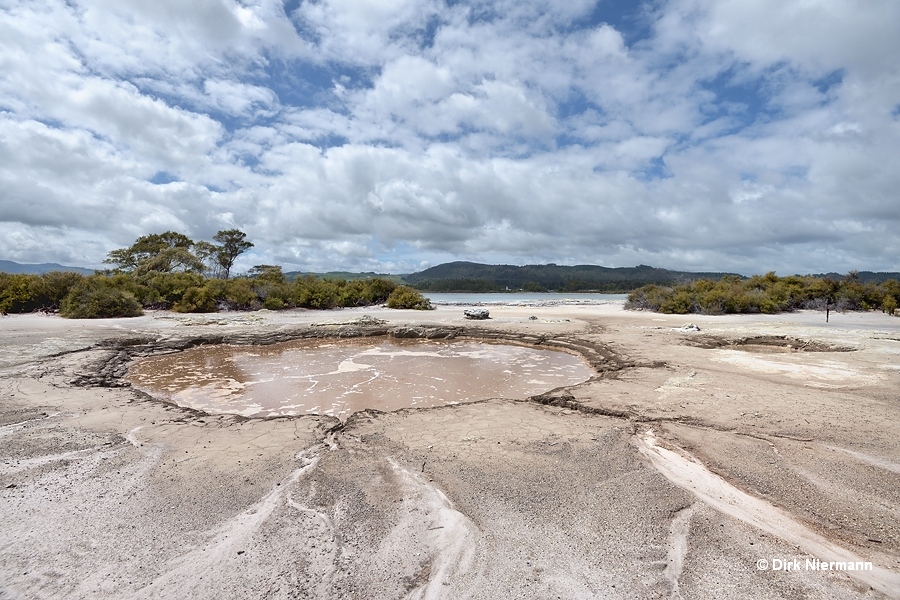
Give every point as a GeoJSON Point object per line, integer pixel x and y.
{"type": "Point", "coordinates": [340, 377]}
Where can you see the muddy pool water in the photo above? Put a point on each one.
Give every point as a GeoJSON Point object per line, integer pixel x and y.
{"type": "Point", "coordinates": [340, 377]}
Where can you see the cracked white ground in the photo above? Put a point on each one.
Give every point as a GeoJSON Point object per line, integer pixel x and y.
{"type": "Point", "coordinates": [669, 477]}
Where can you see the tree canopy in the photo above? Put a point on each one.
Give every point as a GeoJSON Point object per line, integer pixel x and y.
{"type": "Point", "coordinates": [168, 252]}
{"type": "Point", "coordinates": [233, 244]}
{"type": "Point", "coordinates": [173, 252]}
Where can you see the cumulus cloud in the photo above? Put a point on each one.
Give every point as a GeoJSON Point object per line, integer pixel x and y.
{"type": "Point", "coordinates": [386, 135]}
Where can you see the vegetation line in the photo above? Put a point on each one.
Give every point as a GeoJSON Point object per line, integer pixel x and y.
{"type": "Point", "coordinates": [171, 271]}
{"type": "Point", "coordinates": [767, 294]}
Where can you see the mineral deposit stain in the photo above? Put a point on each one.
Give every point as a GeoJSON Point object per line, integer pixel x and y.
{"type": "Point", "coordinates": [341, 377]}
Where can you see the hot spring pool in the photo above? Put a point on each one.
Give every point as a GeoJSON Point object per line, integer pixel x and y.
{"type": "Point", "coordinates": [340, 377]}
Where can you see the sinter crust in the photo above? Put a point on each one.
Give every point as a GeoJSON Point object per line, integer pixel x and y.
{"type": "Point", "coordinates": [628, 485]}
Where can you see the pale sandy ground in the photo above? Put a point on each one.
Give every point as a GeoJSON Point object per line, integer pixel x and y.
{"type": "Point", "coordinates": [669, 475]}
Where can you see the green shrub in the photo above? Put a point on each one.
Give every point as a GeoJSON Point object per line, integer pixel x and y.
{"type": "Point", "coordinates": [406, 297]}
{"type": "Point", "coordinates": [196, 300]}
{"type": "Point", "coordinates": [236, 294]}
{"type": "Point", "coordinates": [167, 289]}
{"type": "Point", "coordinates": [891, 287]}
{"type": "Point", "coordinates": [351, 293]}
{"type": "Point", "coordinates": [681, 303]}
{"type": "Point", "coordinates": [649, 297]}
{"type": "Point", "coordinates": [310, 292]}
{"type": "Point", "coordinates": [16, 292]}
{"type": "Point", "coordinates": [274, 303]}
{"type": "Point", "coordinates": [98, 298]}
{"type": "Point", "coordinates": [889, 305]}
{"type": "Point", "coordinates": [764, 294]}
{"type": "Point", "coordinates": [378, 290]}
{"type": "Point", "coordinates": [50, 289]}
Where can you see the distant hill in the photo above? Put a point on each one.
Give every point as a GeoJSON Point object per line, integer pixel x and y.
{"type": "Point", "coordinates": [8, 266]}
{"type": "Point", "coordinates": [475, 277]}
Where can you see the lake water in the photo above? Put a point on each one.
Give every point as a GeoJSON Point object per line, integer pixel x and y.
{"type": "Point", "coordinates": [524, 298]}
{"type": "Point", "coordinates": [340, 377]}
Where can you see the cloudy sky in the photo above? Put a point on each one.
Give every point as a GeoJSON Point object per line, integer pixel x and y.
{"type": "Point", "coordinates": [392, 135]}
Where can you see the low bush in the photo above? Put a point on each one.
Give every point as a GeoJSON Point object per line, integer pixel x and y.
{"type": "Point", "coordinates": [196, 300]}
{"type": "Point", "coordinates": [766, 294]}
{"type": "Point", "coordinates": [233, 294]}
{"type": "Point", "coordinates": [311, 292]}
{"type": "Point", "coordinates": [97, 298]}
{"type": "Point", "coordinates": [889, 305]}
{"type": "Point", "coordinates": [16, 291]}
{"type": "Point", "coordinates": [406, 297]}
{"type": "Point", "coordinates": [164, 290]}
{"type": "Point", "coordinates": [54, 286]}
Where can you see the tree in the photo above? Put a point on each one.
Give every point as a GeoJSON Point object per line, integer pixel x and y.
{"type": "Point", "coordinates": [163, 252]}
{"type": "Point", "coordinates": [233, 244]}
{"type": "Point", "coordinates": [209, 255]}
{"type": "Point", "coordinates": [267, 273]}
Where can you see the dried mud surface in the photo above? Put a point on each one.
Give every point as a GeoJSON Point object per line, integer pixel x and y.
{"type": "Point", "coordinates": [689, 457]}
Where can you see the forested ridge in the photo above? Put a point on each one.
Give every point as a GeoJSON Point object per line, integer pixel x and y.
{"type": "Point", "coordinates": [476, 277]}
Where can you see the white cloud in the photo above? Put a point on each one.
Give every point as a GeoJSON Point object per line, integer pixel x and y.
{"type": "Point", "coordinates": [240, 99]}
{"type": "Point", "coordinates": [365, 31]}
{"type": "Point", "coordinates": [374, 133]}
{"type": "Point", "coordinates": [816, 35]}
{"type": "Point", "coordinates": [186, 39]}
